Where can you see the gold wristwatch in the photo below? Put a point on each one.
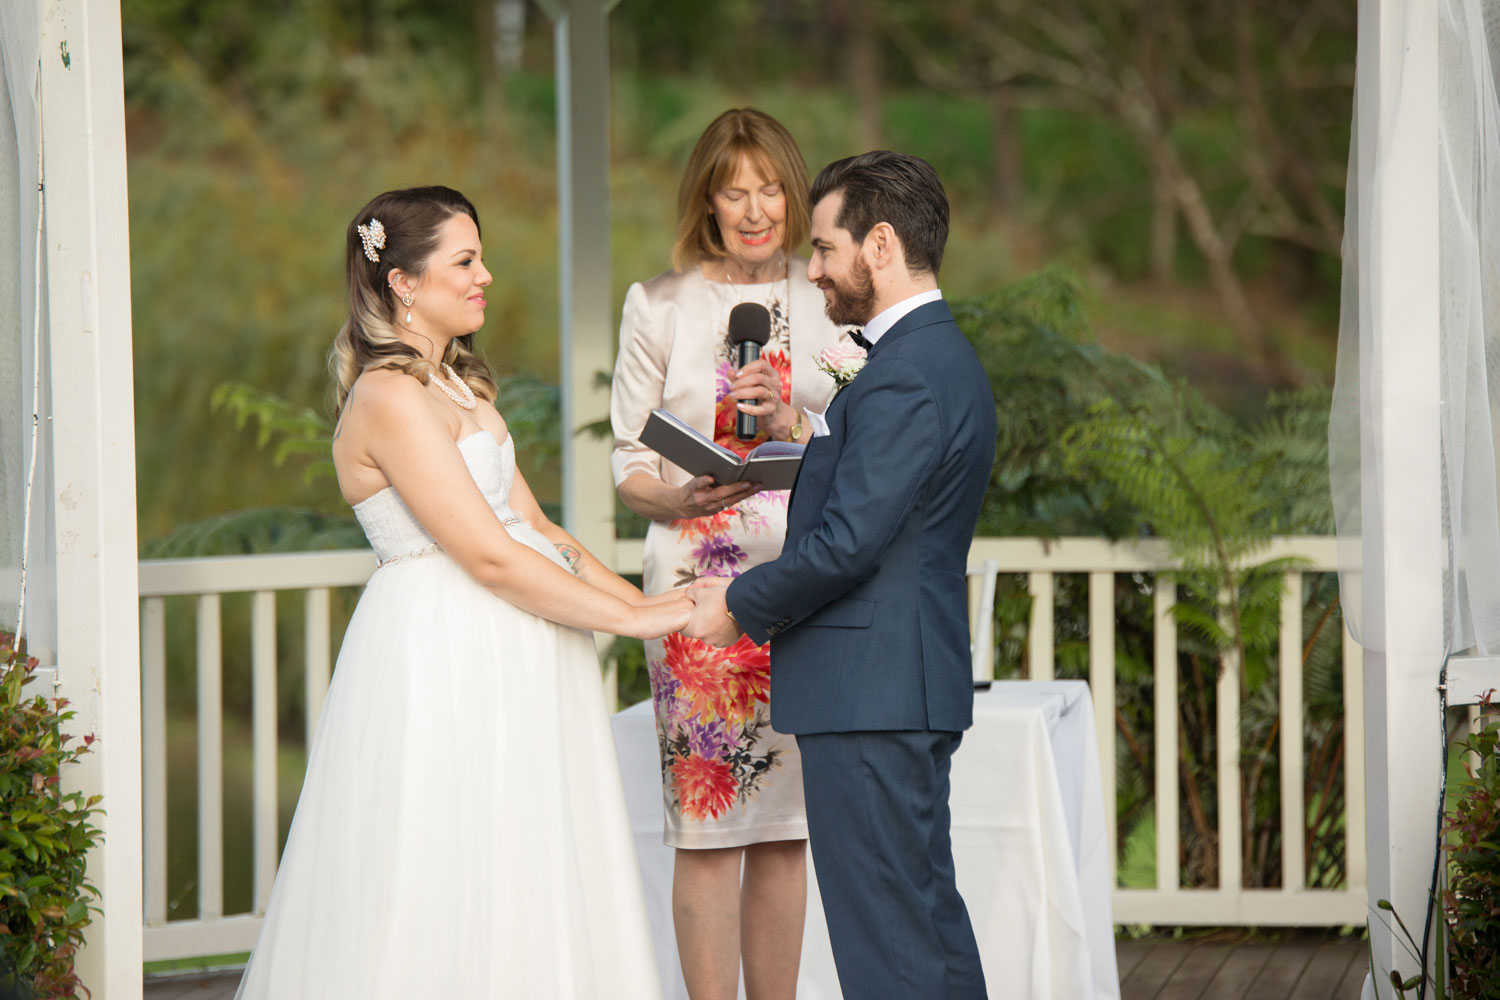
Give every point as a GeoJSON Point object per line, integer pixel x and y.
{"type": "Point", "coordinates": [795, 434]}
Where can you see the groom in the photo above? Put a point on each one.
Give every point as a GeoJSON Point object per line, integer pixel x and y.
{"type": "Point", "coordinates": [866, 607]}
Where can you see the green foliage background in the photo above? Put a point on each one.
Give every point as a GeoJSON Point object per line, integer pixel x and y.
{"type": "Point", "coordinates": [255, 132]}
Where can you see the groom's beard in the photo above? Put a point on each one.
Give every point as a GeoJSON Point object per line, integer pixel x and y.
{"type": "Point", "coordinates": [852, 304]}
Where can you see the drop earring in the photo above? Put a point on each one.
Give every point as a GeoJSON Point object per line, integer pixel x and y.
{"type": "Point", "coordinates": [406, 301]}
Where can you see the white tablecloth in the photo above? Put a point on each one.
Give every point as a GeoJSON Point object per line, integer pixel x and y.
{"type": "Point", "coordinates": [1028, 845]}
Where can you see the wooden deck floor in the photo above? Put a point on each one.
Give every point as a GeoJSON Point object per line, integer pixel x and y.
{"type": "Point", "coordinates": [194, 986]}
{"type": "Point", "coordinates": [1293, 968]}
{"type": "Point", "coordinates": [1296, 967]}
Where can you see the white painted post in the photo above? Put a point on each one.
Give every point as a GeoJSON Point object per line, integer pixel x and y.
{"type": "Point", "coordinates": [154, 751]}
{"type": "Point", "coordinates": [1102, 687]}
{"type": "Point", "coordinates": [581, 36]}
{"type": "Point", "coordinates": [1227, 749]}
{"type": "Point", "coordinates": [1398, 95]}
{"type": "Point", "coordinates": [1293, 818]}
{"type": "Point", "coordinates": [87, 307]}
{"type": "Point", "coordinates": [316, 638]}
{"type": "Point", "coordinates": [1164, 657]}
{"type": "Point", "coordinates": [210, 758]}
{"type": "Point", "coordinates": [1041, 663]}
{"type": "Point", "coordinates": [263, 701]}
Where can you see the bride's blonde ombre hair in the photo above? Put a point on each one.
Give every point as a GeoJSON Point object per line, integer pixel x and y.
{"type": "Point", "coordinates": [412, 219]}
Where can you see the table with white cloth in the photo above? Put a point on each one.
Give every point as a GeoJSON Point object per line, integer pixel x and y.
{"type": "Point", "coordinates": [1029, 847]}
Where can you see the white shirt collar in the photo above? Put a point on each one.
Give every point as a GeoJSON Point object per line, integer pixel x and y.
{"type": "Point", "coordinates": [881, 324]}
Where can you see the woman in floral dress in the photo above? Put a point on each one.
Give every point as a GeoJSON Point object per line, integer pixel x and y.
{"type": "Point", "coordinates": [731, 785]}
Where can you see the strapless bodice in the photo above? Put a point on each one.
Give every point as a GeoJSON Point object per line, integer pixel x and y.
{"type": "Point", "coordinates": [394, 531]}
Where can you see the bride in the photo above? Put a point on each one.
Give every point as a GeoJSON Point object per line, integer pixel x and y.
{"type": "Point", "coordinates": [461, 830]}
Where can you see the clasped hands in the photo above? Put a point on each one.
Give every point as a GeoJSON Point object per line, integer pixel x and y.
{"type": "Point", "coordinates": [711, 622]}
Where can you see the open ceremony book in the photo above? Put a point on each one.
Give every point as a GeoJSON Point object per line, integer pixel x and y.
{"type": "Point", "coordinates": [773, 464]}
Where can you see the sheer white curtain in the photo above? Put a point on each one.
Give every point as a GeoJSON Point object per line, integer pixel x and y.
{"type": "Point", "coordinates": [1469, 343]}
{"type": "Point", "coordinates": [20, 360]}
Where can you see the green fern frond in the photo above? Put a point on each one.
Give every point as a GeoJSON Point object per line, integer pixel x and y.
{"type": "Point", "coordinates": [265, 529]}
{"type": "Point", "coordinates": [299, 429]}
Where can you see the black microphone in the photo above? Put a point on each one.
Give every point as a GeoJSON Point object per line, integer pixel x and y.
{"type": "Point", "coordinates": [749, 328]}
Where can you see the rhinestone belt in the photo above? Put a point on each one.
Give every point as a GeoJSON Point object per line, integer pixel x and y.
{"type": "Point", "coordinates": [428, 550]}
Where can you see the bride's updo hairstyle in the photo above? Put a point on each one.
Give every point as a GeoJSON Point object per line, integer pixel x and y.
{"type": "Point", "coordinates": [409, 223]}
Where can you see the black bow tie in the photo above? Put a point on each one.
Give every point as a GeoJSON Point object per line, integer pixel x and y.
{"type": "Point", "coordinates": [858, 337]}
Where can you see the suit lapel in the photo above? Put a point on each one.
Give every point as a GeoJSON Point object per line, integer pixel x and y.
{"type": "Point", "coordinates": [930, 314]}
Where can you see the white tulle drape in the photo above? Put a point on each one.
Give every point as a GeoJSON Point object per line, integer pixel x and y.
{"type": "Point", "coordinates": [20, 143]}
{"type": "Point", "coordinates": [1469, 344]}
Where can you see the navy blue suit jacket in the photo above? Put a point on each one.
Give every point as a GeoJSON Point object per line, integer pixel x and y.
{"type": "Point", "coordinates": [866, 608]}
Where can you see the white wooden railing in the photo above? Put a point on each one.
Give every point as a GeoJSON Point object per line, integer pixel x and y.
{"type": "Point", "coordinates": [316, 574]}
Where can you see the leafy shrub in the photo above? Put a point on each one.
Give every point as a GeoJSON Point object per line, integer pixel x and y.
{"type": "Point", "coordinates": [1472, 900]}
{"type": "Point", "coordinates": [45, 834]}
{"type": "Point", "coordinates": [1469, 934]}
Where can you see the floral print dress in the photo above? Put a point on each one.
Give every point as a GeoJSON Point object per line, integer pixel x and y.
{"type": "Point", "coordinates": [728, 778]}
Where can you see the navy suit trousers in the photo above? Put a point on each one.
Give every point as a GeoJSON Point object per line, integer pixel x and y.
{"type": "Point", "coordinates": [878, 821]}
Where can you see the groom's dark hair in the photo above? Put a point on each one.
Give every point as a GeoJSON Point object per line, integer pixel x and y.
{"type": "Point", "coordinates": [898, 188]}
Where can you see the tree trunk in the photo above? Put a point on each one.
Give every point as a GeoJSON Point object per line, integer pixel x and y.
{"type": "Point", "coordinates": [1007, 179]}
{"type": "Point", "coordinates": [1163, 229]}
{"type": "Point", "coordinates": [484, 39]}
{"type": "Point", "coordinates": [864, 78]}
{"type": "Point", "coordinates": [857, 49]}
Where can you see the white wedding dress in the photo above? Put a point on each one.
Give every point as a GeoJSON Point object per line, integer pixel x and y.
{"type": "Point", "coordinates": [461, 830]}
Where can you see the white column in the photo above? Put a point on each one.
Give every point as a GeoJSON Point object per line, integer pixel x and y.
{"type": "Point", "coordinates": [1399, 409]}
{"type": "Point", "coordinates": [581, 32]}
{"type": "Point", "coordinates": [87, 307]}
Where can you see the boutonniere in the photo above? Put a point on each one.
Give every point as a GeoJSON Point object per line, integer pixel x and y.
{"type": "Point", "coordinates": [842, 362]}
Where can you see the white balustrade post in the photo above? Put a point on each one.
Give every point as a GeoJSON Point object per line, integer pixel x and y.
{"type": "Point", "coordinates": [154, 755]}
{"type": "Point", "coordinates": [1102, 687]}
{"type": "Point", "coordinates": [263, 702]}
{"type": "Point", "coordinates": [1293, 812]}
{"type": "Point", "coordinates": [1164, 656]}
{"type": "Point", "coordinates": [1227, 752]}
{"type": "Point", "coordinates": [318, 669]}
{"type": "Point", "coordinates": [210, 758]}
{"type": "Point", "coordinates": [1400, 402]}
{"type": "Point", "coordinates": [87, 309]}
{"type": "Point", "coordinates": [1041, 662]}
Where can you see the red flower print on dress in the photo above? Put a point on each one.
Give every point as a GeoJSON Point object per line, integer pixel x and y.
{"type": "Point", "coordinates": [723, 683]}
{"type": "Point", "coordinates": [699, 674]}
{"type": "Point", "coordinates": [706, 788]}
{"type": "Point", "coordinates": [747, 668]}
{"type": "Point", "coordinates": [703, 527]}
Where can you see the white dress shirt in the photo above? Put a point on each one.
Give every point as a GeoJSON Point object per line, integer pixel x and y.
{"type": "Point", "coordinates": [881, 324]}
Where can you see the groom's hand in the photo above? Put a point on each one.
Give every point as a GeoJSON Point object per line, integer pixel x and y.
{"type": "Point", "coordinates": [711, 621]}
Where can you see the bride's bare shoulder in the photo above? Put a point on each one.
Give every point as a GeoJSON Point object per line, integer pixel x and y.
{"type": "Point", "coordinates": [385, 394]}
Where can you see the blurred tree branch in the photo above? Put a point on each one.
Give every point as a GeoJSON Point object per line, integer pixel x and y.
{"type": "Point", "coordinates": [1267, 76]}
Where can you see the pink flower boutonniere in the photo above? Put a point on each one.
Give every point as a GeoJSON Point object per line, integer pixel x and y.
{"type": "Point", "coordinates": [842, 362]}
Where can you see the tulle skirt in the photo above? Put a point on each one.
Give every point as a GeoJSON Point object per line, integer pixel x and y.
{"type": "Point", "coordinates": [461, 830]}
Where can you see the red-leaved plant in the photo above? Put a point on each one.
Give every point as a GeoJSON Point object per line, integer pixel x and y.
{"type": "Point", "coordinates": [45, 834]}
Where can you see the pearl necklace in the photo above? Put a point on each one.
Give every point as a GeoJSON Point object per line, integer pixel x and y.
{"type": "Point", "coordinates": [466, 400]}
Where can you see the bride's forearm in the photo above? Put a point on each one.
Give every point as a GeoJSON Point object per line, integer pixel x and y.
{"type": "Point", "coordinates": [588, 568]}
{"type": "Point", "coordinates": [532, 582]}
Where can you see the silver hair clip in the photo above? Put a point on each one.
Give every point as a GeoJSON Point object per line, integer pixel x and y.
{"type": "Point", "coordinates": [373, 237]}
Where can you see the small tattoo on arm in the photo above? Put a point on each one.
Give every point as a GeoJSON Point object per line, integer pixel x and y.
{"type": "Point", "coordinates": [570, 555]}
